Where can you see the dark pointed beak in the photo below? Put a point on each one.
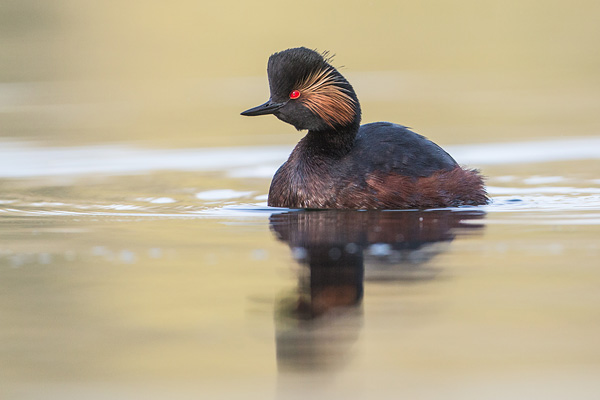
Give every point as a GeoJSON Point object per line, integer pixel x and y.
{"type": "Point", "coordinates": [268, 108]}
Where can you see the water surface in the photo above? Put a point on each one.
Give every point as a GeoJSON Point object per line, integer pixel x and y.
{"type": "Point", "coordinates": [136, 273]}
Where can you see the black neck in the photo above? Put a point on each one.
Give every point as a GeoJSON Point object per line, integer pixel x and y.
{"type": "Point", "coordinates": [331, 143]}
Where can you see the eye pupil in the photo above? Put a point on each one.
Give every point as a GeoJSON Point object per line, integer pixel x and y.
{"type": "Point", "coordinates": [294, 94]}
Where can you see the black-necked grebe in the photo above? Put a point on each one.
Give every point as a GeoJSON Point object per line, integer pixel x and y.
{"type": "Point", "coordinates": [341, 164]}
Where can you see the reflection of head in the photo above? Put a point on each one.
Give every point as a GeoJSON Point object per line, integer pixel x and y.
{"type": "Point", "coordinates": [316, 345]}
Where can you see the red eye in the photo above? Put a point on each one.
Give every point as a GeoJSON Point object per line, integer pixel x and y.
{"type": "Point", "coordinates": [294, 94]}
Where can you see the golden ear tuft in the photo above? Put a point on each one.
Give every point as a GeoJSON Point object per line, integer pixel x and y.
{"type": "Point", "coordinates": [323, 96]}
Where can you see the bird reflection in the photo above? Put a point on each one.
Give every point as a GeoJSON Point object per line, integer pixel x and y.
{"type": "Point", "coordinates": [317, 324]}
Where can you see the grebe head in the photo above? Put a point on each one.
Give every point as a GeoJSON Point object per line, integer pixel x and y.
{"type": "Point", "coordinates": [308, 93]}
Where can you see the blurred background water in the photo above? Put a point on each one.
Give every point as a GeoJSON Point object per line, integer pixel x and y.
{"type": "Point", "coordinates": [138, 258]}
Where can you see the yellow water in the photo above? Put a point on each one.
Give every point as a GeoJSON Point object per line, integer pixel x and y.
{"type": "Point", "coordinates": [138, 258]}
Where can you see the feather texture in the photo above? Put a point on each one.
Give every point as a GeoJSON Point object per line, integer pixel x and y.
{"type": "Point", "coordinates": [322, 94]}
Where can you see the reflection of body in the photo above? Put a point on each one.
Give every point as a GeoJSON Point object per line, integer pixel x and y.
{"type": "Point", "coordinates": [340, 164]}
{"type": "Point", "coordinates": [335, 245]}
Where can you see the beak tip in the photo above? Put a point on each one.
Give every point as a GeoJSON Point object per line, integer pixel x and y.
{"type": "Point", "coordinates": [263, 109]}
